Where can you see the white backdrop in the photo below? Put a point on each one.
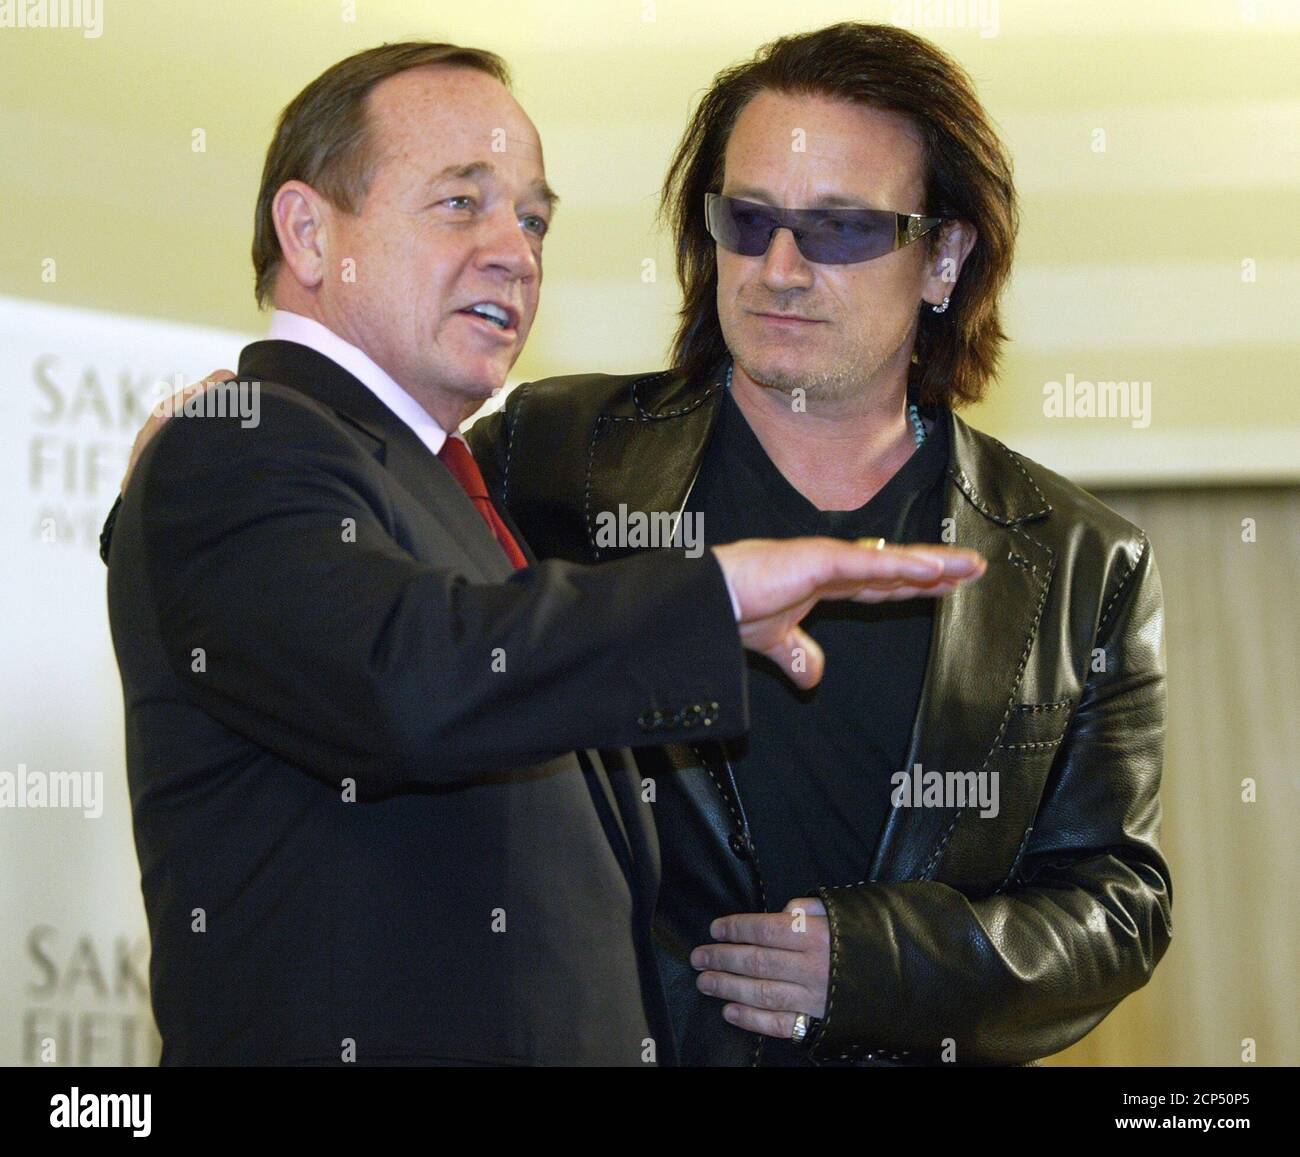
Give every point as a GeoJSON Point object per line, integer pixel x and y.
{"type": "Point", "coordinates": [74, 950]}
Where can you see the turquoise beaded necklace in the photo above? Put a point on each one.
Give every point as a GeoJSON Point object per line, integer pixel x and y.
{"type": "Point", "coordinates": [913, 414]}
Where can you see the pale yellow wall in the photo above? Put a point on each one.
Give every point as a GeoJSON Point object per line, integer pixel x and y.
{"type": "Point", "coordinates": [1130, 264]}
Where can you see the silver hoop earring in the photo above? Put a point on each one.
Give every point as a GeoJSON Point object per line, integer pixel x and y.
{"type": "Point", "coordinates": [941, 308]}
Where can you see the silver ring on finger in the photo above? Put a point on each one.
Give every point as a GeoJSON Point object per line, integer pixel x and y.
{"type": "Point", "coordinates": [800, 1031]}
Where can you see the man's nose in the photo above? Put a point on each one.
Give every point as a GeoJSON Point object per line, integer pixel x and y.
{"type": "Point", "coordinates": [784, 267]}
{"type": "Point", "coordinates": [504, 245]}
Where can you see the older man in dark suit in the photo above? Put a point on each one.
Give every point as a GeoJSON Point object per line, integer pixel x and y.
{"type": "Point", "coordinates": [357, 708]}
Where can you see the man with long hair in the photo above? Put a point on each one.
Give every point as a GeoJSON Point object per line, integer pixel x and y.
{"type": "Point", "coordinates": [948, 851]}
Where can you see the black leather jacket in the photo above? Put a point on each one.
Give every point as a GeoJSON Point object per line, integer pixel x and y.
{"type": "Point", "coordinates": [976, 940]}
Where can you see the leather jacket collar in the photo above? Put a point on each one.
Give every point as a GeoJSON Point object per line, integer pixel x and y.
{"type": "Point", "coordinates": [647, 446]}
{"type": "Point", "coordinates": [658, 430]}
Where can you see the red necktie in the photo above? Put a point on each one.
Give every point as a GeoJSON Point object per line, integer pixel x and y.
{"type": "Point", "coordinates": [456, 457]}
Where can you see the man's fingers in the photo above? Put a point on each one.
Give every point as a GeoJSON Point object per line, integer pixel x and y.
{"type": "Point", "coordinates": [920, 564]}
{"type": "Point", "coordinates": [751, 960]}
{"type": "Point", "coordinates": [769, 929]}
{"type": "Point", "coordinates": [894, 574]}
{"type": "Point", "coordinates": [904, 591]}
{"type": "Point", "coordinates": [164, 408]}
{"type": "Point", "coordinates": [777, 995]}
{"type": "Point", "coordinates": [161, 411]}
{"type": "Point", "coordinates": [770, 578]}
{"type": "Point", "coordinates": [760, 1020]}
{"type": "Point", "coordinates": [867, 574]}
{"type": "Point", "coordinates": [800, 656]}
{"type": "Point", "coordinates": [778, 582]}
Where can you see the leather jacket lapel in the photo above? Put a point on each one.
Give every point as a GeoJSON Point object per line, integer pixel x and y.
{"type": "Point", "coordinates": [980, 643]}
{"type": "Point", "coordinates": [646, 453]}
{"type": "Point", "coordinates": [646, 458]}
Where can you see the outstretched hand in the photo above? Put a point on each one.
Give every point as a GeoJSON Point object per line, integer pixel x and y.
{"type": "Point", "coordinates": [778, 581]}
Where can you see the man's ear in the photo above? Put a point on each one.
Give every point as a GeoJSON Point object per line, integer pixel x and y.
{"type": "Point", "coordinates": [955, 243]}
{"type": "Point", "coordinates": [300, 216]}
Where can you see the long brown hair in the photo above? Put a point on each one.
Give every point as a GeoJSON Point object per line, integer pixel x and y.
{"type": "Point", "coordinates": [323, 135]}
{"type": "Point", "coordinates": [968, 176]}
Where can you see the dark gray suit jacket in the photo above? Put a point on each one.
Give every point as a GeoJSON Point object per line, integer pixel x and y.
{"type": "Point", "coordinates": [362, 824]}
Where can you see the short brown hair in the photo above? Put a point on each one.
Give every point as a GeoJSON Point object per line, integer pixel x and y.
{"type": "Point", "coordinates": [323, 135]}
{"type": "Point", "coordinates": [968, 175]}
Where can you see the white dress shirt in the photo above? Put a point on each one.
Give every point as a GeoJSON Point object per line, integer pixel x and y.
{"type": "Point", "coordinates": [286, 326]}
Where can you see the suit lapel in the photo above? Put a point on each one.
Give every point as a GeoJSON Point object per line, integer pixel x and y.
{"type": "Point", "coordinates": [979, 645]}
{"type": "Point", "coordinates": [392, 442]}
{"type": "Point", "coordinates": [432, 485]}
{"type": "Point", "coordinates": [429, 482]}
{"type": "Point", "coordinates": [504, 513]}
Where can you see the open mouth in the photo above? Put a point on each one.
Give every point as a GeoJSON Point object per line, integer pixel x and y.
{"type": "Point", "coordinates": [499, 316]}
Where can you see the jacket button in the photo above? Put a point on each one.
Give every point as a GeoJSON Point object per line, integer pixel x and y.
{"type": "Point", "coordinates": [739, 845]}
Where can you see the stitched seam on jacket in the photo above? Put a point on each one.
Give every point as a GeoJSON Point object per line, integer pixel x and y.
{"type": "Point", "coordinates": [968, 488]}
{"type": "Point", "coordinates": [1123, 585]}
{"type": "Point", "coordinates": [591, 449]}
{"type": "Point", "coordinates": [835, 965]}
{"type": "Point", "coordinates": [511, 422]}
{"type": "Point", "coordinates": [1047, 506]}
{"type": "Point", "coordinates": [1015, 863]}
{"type": "Point", "coordinates": [1045, 583]}
{"type": "Point", "coordinates": [1034, 708]}
{"type": "Point", "coordinates": [933, 862]}
{"type": "Point", "coordinates": [644, 415]}
{"type": "Point", "coordinates": [645, 381]}
{"type": "Point", "coordinates": [735, 815]}
{"type": "Point", "coordinates": [586, 491]}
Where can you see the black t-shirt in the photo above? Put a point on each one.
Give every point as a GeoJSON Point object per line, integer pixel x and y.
{"type": "Point", "coordinates": [814, 771]}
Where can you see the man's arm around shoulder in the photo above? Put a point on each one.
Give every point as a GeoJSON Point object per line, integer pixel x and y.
{"type": "Point", "coordinates": [273, 551]}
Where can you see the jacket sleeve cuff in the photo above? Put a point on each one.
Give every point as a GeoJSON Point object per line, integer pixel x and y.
{"type": "Point", "coordinates": [857, 1022]}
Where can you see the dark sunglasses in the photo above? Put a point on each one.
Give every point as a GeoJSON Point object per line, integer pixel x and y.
{"type": "Point", "coordinates": [824, 236]}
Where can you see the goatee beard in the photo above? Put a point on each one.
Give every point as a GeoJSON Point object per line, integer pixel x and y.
{"type": "Point", "coordinates": [830, 385]}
